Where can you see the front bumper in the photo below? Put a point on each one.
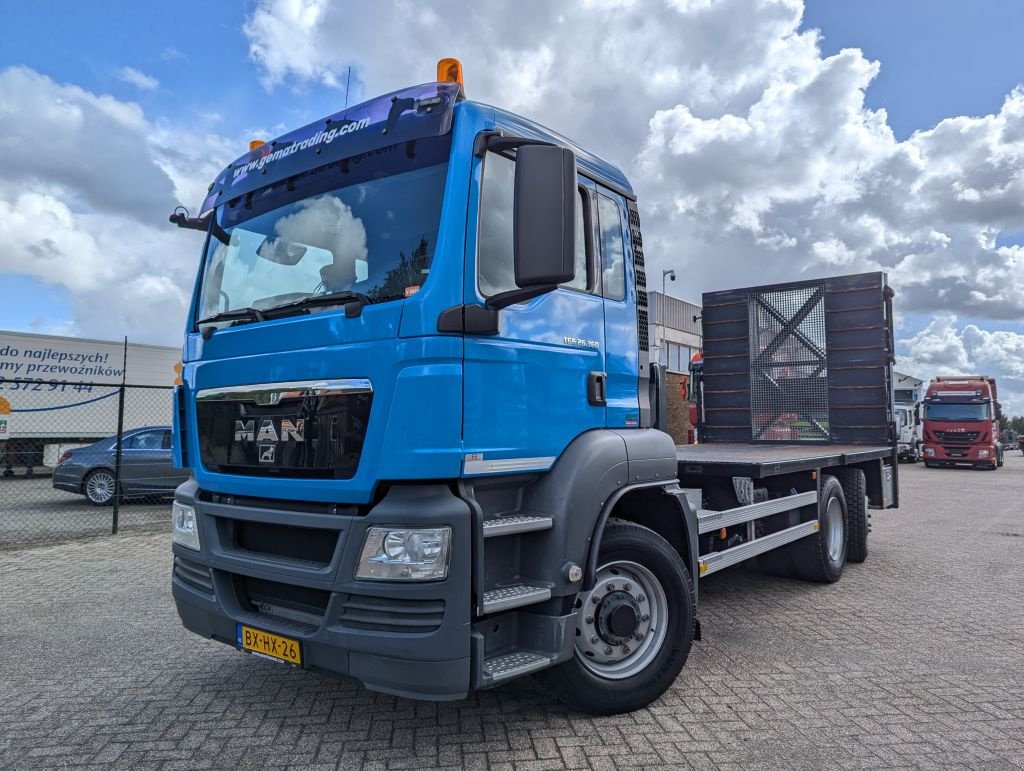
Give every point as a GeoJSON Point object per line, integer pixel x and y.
{"type": "Point", "coordinates": [962, 455]}
{"type": "Point", "coordinates": [290, 572]}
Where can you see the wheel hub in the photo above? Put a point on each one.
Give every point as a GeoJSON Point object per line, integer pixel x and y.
{"type": "Point", "coordinates": [618, 617]}
{"type": "Point", "coordinates": [621, 622]}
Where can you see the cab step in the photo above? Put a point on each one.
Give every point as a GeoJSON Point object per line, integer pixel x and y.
{"type": "Point", "coordinates": [521, 523]}
{"type": "Point", "coordinates": [507, 597]}
{"type": "Point", "coordinates": [510, 665]}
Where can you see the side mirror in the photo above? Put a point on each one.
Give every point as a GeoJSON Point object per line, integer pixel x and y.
{"type": "Point", "coordinates": [545, 215]}
{"type": "Point", "coordinates": [544, 223]}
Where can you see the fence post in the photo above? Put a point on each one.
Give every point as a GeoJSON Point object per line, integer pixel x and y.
{"type": "Point", "coordinates": [120, 442]}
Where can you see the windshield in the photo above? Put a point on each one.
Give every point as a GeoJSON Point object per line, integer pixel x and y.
{"type": "Point", "coordinates": [954, 412]}
{"type": "Point", "coordinates": [366, 224]}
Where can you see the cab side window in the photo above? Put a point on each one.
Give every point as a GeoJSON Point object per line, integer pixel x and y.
{"type": "Point", "coordinates": [613, 249]}
{"type": "Point", "coordinates": [495, 267]}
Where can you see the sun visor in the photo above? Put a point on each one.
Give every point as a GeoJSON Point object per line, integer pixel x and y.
{"type": "Point", "coordinates": [412, 113]}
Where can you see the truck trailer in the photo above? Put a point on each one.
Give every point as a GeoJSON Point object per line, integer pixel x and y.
{"type": "Point", "coordinates": [962, 422]}
{"type": "Point", "coordinates": [57, 393]}
{"type": "Point", "coordinates": [427, 443]}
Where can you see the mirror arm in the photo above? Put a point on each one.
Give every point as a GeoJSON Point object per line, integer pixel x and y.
{"type": "Point", "coordinates": [514, 296]}
{"type": "Point", "coordinates": [497, 142]}
{"type": "Point", "coordinates": [182, 220]}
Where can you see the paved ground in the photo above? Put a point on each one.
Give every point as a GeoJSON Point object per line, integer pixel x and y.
{"type": "Point", "coordinates": [914, 659]}
{"type": "Point", "coordinates": [32, 512]}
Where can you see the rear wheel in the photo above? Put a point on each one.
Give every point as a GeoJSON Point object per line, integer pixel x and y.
{"type": "Point", "coordinates": [822, 557]}
{"type": "Point", "coordinates": [634, 629]}
{"type": "Point", "coordinates": [99, 488]}
{"type": "Point", "coordinates": [858, 516]}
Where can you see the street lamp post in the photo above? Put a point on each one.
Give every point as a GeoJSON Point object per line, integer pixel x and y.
{"type": "Point", "coordinates": [664, 274]}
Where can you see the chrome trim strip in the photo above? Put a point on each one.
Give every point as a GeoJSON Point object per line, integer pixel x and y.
{"type": "Point", "coordinates": [473, 464]}
{"type": "Point", "coordinates": [272, 393]}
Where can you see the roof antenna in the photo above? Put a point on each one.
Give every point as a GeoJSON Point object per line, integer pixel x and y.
{"type": "Point", "coordinates": [348, 82]}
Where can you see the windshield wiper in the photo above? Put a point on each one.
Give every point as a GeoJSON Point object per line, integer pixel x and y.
{"type": "Point", "coordinates": [353, 302]}
{"type": "Point", "coordinates": [238, 314]}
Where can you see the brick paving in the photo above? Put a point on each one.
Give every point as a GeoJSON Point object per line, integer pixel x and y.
{"type": "Point", "coordinates": [914, 659]}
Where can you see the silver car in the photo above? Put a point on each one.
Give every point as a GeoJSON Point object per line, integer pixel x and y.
{"type": "Point", "coordinates": [146, 467]}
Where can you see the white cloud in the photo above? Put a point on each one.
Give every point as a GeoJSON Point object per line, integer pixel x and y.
{"type": "Point", "coordinates": [945, 347]}
{"type": "Point", "coordinates": [752, 153]}
{"type": "Point", "coordinates": [86, 184]}
{"type": "Point", "coordinates": [138, 79]}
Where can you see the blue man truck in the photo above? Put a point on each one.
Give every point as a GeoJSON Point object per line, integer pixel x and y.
{"type": "Point", "coordinates": [426, 438]}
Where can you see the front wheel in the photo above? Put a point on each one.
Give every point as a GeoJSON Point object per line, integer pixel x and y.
{"type": "Point", "coordinates": [634, 629]}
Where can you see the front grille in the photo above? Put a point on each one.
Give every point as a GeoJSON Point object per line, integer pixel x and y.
{"type": "Point", "coordinates": [299, 433]}
{"type": "Point", "coordinates": [195, 575]}
{"type": "Point", "coordinates": [300, 607]}
{"type": "Point", "coordinates": [957, 436]}
{"type": "Point", "coordinates": [386, 614]}
{"type": "Point", "coordinates": [304, 544]}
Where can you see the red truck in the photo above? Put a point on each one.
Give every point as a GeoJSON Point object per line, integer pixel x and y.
{"type": "Point", "coordinates": [962, 422]}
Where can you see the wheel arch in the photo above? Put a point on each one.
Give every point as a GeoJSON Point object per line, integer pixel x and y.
{"type": "Point", "coordinates": [660, 507]}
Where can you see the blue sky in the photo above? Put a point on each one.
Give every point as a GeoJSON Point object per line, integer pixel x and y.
{"type": "Point", "coordinates": [939, 57]}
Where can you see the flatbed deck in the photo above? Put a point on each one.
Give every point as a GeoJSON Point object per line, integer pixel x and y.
{"type": "Point", "coordinates": [765, 460]}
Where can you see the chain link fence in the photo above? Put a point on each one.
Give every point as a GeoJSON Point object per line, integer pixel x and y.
{"type": "Point", "coordinates": [83, 459]}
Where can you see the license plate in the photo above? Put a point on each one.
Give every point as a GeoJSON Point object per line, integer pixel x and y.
{"type": "Point", "coordinates": [269, 646]}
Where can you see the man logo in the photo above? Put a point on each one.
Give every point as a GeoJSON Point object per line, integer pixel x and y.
{"type": "Point", "coordinates": [267, 453]}
{"type": "Point", "coordinates": [266, 431]}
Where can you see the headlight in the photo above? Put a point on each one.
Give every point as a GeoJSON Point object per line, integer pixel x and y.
{"type": "Point", "coordinates": [184, 528]}
{"type": "Point", "coordinates": [405, 554]}
{"type": "Point", "coordinates": [982, 453]}
{"type": "Point", "coordinates": [929, 451]}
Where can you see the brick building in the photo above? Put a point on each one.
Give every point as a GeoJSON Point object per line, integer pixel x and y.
{"type": "Point", "coordinates": [675, 335]}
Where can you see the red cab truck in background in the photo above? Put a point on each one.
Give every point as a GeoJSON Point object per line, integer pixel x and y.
{"type": "Point", "coordinates": [962, 422]}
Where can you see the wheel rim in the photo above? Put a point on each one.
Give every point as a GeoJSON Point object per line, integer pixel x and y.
{"type": "Point", "coordinates": [100, 487]}
{"type": "Point", "coordinates": [834, 529]}
{"type": "Point", "coordinates": [618, 587]}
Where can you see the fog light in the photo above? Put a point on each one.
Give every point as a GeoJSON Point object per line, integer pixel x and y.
{"type": "Point", "coordinates": [929, 451]}
{"type": "Point", "coordinates": [184, 529]}
{"type": "Point", "coordinates": [405, 554]}
{"type": "Point", "coordinates": [982, 453]}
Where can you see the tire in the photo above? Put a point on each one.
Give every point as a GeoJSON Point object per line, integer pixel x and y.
{"type": "Point", "coordinates": [653, 570]}
{"type": "Point", "coordinates": [98, 487]}
{"type": "Point", "coordinates": [930, 465]}
{"type": "Point", "coordinates": [858, 517]}
{"type": "Point", "coordinates": [822, 557]}
{"type": "Point", "coordinates": [916, 456]}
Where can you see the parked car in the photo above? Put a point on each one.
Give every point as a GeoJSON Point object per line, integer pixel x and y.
{"type": "Point", "coordinates": [146, 467]}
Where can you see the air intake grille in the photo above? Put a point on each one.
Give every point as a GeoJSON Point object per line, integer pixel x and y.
{"type": "Point", "coordinates": [195, 575]}
{"type": "Point", "coordinates": [386, 614]}
{"type": "Point", "coordinates": [957, 436]}
{"type": "Point", "coordinates": [304, 544]}
{"type": "Point", "coordinates": [641, 276]}
{"type": "Point", "coordinates": [298, 607]}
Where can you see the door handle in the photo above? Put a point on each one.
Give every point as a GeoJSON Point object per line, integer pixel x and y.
{"type": "Point", "coordinates": [596, 394]}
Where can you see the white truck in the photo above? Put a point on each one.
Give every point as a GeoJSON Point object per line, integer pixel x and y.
{"type": "Point", "coordinates": [57, 393]}
{"type": "Point", "coordinates": [910, 434]}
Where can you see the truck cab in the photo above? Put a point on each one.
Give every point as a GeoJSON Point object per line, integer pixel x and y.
{"type": "Point", "coordinates": [962, 423]}
{"type": "Point", "coordinates": [910, 432]}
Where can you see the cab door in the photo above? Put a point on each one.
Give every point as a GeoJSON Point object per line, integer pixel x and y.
{"type": "Point", "coordinates": [619, 290]}
{"type": "Point", "coordinates": [540, 381]}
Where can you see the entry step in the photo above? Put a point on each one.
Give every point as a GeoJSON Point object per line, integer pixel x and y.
{"type": "Point", "coordinates": [513, 665]}
{"type": "Point", "coordinates": [521, 523]}
{"type": "Point", "coordinates": [506, 597]}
